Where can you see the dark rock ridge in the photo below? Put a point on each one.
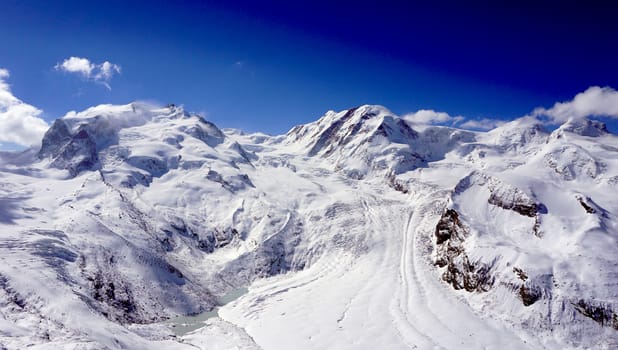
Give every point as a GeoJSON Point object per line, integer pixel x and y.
{"type": "Point", "coordinates": [329, 135]}
{"type": "Point", "coordinates": [516, 202]}
{"type": "Point", "coordinates": [599, 312]}
{"type": "Point", "coordinates": [502, 194]}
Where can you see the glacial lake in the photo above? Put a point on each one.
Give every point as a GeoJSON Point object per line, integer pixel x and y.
{"type": "Point", "coordinates": [182, 325]}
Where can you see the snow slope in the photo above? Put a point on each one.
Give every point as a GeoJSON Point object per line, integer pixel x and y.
{"type": "Point", "coordinates": [355, 231]}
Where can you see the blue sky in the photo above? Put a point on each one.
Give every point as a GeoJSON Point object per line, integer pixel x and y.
{"type": "Point", "coordinates": [269, 65]}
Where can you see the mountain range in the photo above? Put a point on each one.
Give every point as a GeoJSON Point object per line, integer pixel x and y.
{"type": "Point", "coordinates": [357, 231]}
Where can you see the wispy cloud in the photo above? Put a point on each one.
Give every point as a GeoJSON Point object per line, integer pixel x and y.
{"type": "Point", "coordinates": [595, 101]}
{"type": "Point", "coordinates": [482, 124]}
{"type": "Point", "coordinates": [19, 122]}
{"type": "Point", "coordinates": [100, 73]}
{"type": "Point", "coordinates": [428, 116]}
{"type": "Point", "coordinates": [431, 117]}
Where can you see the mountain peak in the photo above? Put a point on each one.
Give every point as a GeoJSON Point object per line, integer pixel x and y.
{"type": "Point", "coordinates": [521, 132]}
{"type": "Point", "coordinates": [135, 133]}
{"type": "Point", "coordinates": [359, 140]}
{"type": "Point", "coordinates": [584, 127]}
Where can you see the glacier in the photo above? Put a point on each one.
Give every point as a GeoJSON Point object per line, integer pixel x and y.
{"type": "Point", "coordinates": [356, 231]}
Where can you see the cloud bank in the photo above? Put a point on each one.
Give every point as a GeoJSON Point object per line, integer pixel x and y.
{"type": "Point", "coordinates": [428, 116]}
{"type": "Point", "coordinates": [484, 124]}
{"type": "Point", "coordinates": [19, 122]}
{"type": "Point", "coordinates": [595, 101]}
{"type": "Point", "coordinates": [100, 73]}
{"type": "Point", "coordinates": [431, 117]}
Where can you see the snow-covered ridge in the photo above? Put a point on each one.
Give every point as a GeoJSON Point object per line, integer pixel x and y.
{"type": "Point", "coordinates": [139, 140]}
{"type": "Point", "coordinates": [371, 139]}
{"type": "Point", "coordinates": [358, 230]}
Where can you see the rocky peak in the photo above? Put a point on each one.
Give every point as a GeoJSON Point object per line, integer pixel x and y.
{"type": "Point", "coordinates": [55, 137]}
{"type": "Point", "coordinates": [359, 140]}
{"type": "Point", "coordinates": [353, 126]}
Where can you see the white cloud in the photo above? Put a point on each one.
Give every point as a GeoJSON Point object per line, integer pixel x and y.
{"type": "Point", "coordinates": [428, 116]}
{"type": "Point", "coordinates": [595, 101]}
{"type": "Point", "coordinates": [77, 65]}
{"type": "Point", "coordinates": [100, 73]}
{"type": "Point", "coordinates": [19, 122]}
{"type": "Point", "coordinates": [482, 124]}
{"type": "Point", "coordinates": [107, 70]}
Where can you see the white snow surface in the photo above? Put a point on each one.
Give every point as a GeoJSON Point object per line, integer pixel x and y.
{"type": "Point", "coordinates": [353, 232]}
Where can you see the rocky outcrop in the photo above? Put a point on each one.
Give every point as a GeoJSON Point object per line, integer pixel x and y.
{"type": "Point", "coordinates": [205, 239]}
{"type": "Point", "coordinates": [116, 296]}
{"type": "Point", "coordinates": [78, 155]}
{"type": "Point", "coordinates": [588, 208]}
{"type": "Point", "coordinates": [501, 194]}
{"type": "Point", "coordinates": [73, 152]}
{"type": "Point", "coordinates": [56, 137]}
{"type": "Point", "coordinates": [216, 238]}
{"type": "Point", "coordinates": [460, 273]}
{"type": "Point", "coordinates": [515, 201]}
{"type": "Point", "coordinates": [527, 292]}
{"type": "Point", "coordinates": [599, 312]}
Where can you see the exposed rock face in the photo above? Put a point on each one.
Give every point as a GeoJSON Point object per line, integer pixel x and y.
{"type": "Point", "coordinates": [329, 136]}
{"type": "Point", "coordinates": [448, 225]}
{"type": "Point", "coordinates": [589, 209]}
{"type": "Point", "coordinates": [205, 239]}
{"type": "Point", "coordinates": [73, 152]}
{"type": "Point", "coordinates": [79, 154]}
{"type": "Point", "coordinates": [600, 313]}
{"type": "Point", "coordinates": [515, 201]}
{"type": "Point", "coordinates": [118, 298]}
{"type": "Point", "coordinates": [527, 292]}
{"type": "Point", "coordinates": [206, 132]}
{"type": "Point", "coordinates": [56, 137]}
{"type": "Point", "coordinates": [460, 272]}
{"type": "Point", "coordinates": [502, 194]}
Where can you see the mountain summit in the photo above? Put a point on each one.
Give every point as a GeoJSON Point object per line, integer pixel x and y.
{"type": "Point", "coordinates": [132, 226]}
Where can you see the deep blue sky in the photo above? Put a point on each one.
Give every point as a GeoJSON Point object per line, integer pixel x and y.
{"type": "Point", "coordinates": [268, 65]}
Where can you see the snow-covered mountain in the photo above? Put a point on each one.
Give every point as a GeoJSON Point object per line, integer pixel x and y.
{"type": "Point", "coordinates": [356, 231]}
